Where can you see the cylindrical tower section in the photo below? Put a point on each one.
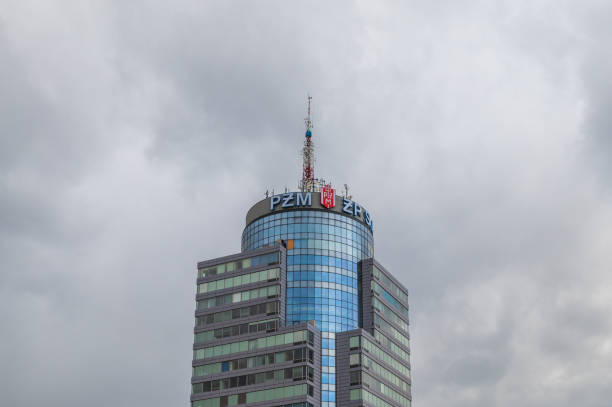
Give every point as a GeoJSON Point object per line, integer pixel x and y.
{"type": "Point", "coordinates": [325, 240]}
{"type": "Point", "coordinates": [323, 249]}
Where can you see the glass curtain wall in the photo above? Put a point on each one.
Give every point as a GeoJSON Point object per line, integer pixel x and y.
{"type": "Point", "coordinates": [323, 250]}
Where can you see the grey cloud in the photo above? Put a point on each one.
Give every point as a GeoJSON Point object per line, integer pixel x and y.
{"type": "Point", "coordinates": [134, 138]}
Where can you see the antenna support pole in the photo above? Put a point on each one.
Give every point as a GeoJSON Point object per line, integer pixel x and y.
{"type": "Point", "coordinates": [307, 183]}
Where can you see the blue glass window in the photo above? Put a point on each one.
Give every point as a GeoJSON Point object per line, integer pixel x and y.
{"type": "Point", "coordinates": [326, 249]}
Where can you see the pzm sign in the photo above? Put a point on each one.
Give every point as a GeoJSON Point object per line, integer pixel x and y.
{"type": "Point", "coordinates": [304, 200]}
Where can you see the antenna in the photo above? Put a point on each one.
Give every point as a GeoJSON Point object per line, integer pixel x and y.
{"type": "Point", "coordinates": [307, 184]}
{"type": "Point", "coordinates": [346, 194]}
{"type": "Point", "coordinates": [307, 119]}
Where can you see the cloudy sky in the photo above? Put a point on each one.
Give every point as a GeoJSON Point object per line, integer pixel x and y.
{"type": "Point", "coordinates": [135, 135]}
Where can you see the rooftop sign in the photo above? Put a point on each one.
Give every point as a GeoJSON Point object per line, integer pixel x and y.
{"type": "Point", "coordinates": [304, 200]}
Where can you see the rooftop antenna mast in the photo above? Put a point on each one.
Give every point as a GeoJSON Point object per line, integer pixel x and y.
{"type": "Point", "coordinates": [307, 184]}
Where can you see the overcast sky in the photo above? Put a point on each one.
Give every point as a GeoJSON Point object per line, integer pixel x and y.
{"type": "Point", "coordinates": [135, 136]}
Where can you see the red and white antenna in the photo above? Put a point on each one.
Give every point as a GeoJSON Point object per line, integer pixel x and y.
{"type": "Point", "coordinates": [307, 184]}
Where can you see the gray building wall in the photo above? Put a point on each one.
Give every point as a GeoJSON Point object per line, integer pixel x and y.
{"type": "Point", "coordinates": [314, 400]}
{"type": "Point", "coordinates": [365, 278]}
{"type": "Point", "coordinates": [369, 328]}
{"type": "Point", "coordinates": [369, 273]}
{"type": "Point", "coordinates": [344, 370]}
{"type": "Point", "coordinates": [236, 257]}
{"type": "Point", "coordinates": [316, 365]}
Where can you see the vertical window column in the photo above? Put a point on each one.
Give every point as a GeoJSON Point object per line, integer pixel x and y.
{"type": "Point", "coordinates": [328, 369]}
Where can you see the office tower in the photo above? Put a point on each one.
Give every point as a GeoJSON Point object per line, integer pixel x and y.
{"type": "Point", "coordinates": [303, 316]}
{"type": "Point", "coordinates": [244, 352]}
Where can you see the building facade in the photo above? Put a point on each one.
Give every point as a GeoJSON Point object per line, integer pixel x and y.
{"type": "Point", "coordinates": [244, 352]}
{"type": "Point", "coordinates": [373, 365]}
{"type": "Point", "coordinates": [303, 316]}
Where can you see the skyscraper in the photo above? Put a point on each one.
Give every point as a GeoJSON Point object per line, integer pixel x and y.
{"type": "Point", "coordinates": [303, 316]}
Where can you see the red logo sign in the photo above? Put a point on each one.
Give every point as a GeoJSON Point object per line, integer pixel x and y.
{"type": "Point", "coordinates": [328, 197]}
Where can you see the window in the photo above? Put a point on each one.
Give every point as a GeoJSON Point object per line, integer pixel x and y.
{"type": "Point", "coordinates": [395, 362]}
{"type": "Point", "coordinates": [276, 393]}
{"type": "Point", "coordinates": [263, 275]}
{"type": "Point", "coordinates": [268, 308]}
{"type": "Point", "coordinates": [360, 394]}
{"type": "Point", "coordinates": [264, 292]}
{"type": "Point", "coordinates": [355, 378]}
{"type": "Point", "coordinates": [262, 260]}
{"type": "Point", "coordinates": [390, 330]}
{"type": "Point", "coordinates": [385, 373]}
{"type": "Point", "coordinates": [295, 355]}
{"type": "Point", "coordinates": [389, 313]}
{"type": "Point", "coordinates": [255, 396]}
{"type": "Point", "coordinates": [295, 373]}
{"type": "Point", "coordinates": [377, 385]}
{"type": "Point", "coordinates": [354, 360]}
{"type": "Point", "coordinates": [382, 292]}
{"type": "Point", "coordinates": [354, 342]}
{"type": "Point", "coordinates": [243, 346]}
{"type": "Point", "coordinates": [269, 325]}
{"type": "Point", "coordinates": [394, 288]}
{"type": "Point", "coordinates": [299, 355]}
